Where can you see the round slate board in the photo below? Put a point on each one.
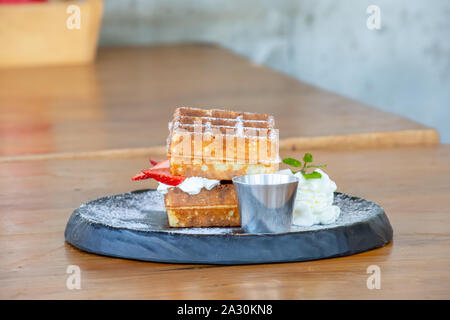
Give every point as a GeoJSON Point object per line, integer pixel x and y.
{"type": "Point", "coordinates": [134, 226]}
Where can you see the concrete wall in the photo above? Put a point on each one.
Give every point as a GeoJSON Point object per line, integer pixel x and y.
{"type": "Point", "coordinates": [404, 67]}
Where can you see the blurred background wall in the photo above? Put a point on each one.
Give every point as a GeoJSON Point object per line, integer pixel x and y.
{"type": "Point", "coordinates": [403, 68]}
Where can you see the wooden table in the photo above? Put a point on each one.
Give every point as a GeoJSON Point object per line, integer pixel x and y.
{"type": "Point", "coordinates": [412, 184]}
{"type": "Point", "coordinates": [121, 105]}
{"type": "Point", "coordinates": [72, 134]}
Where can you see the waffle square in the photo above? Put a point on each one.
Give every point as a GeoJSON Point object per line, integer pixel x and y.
{"type": "Point", "coordinates": [221, 144]}
{"type": "Point", "coordinates": [210, 208]}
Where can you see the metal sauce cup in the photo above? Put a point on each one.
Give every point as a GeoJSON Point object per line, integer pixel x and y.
{"type": "Point", "coordinates": [266, 202]}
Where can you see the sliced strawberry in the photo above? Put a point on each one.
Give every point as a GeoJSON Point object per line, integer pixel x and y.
{"type": "Point", "coordinates": [165, 164]}
{"type": "Point", "coordinates": [161, 166]}
{"type": "Point", "coordinates": [165, 178]}
{"type": "Point", "coordinates": [154, 161]}
{"type": "Point", "coordinates": [140, 176]}
{"type": "Point", "coordinates": [160, 172]}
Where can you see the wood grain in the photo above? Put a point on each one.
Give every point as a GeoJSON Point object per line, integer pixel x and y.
{"type": "Point", "coordinates": [36, 34]}
{"type": "Point", "coordinates": [412, 184]}
{"type": "Point", "coordinates": [127, 97]}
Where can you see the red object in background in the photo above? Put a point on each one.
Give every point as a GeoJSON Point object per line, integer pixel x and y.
{"type": "Point", "coordinates": [19, 1]}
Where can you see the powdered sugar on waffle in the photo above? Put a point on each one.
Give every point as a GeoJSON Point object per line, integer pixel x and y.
{"type": "Point", "coordinates": [242, 133]}
{"type": "Point", "coordinates": [239, 127]}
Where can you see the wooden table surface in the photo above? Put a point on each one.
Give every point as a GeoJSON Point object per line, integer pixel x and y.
{"type": "Point", "coordinates": [121, 105]}
{"type": "Point", "coordinates": [87, 129]}
{"type": "Point", "coordinates": [412, 184]}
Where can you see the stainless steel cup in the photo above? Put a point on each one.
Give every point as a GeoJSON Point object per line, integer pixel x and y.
{"type": "Point", "coordinates": [266, 202]}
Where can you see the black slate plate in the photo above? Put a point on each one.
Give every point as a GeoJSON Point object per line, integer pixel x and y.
{"type": "Point", "coordinates": [134, 226]}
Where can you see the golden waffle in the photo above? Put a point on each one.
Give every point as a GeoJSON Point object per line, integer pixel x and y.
{"type": "Point", "coordinates": [210, 208]}
{"type": "Point", "coordinates": [221, 144]}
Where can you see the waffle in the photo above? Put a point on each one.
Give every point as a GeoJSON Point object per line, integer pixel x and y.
{"type": "Point", "coordinates": [210, 208]}
{"type": "Point", "coordinates": [221, 144]}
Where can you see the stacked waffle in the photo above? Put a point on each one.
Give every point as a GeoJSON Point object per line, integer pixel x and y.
{"type": "Point", "coordinates": [212, 147]}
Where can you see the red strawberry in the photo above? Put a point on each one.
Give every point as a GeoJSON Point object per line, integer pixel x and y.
{"type": "Point", "coordinates": [165, 164]}
{"type": "Point", "coordinates": [160, 172]}
{"type": "Point", "coordinates": [154, 161]}
{"type": "Point", "coordinates": [139, 176]}
{"type": "Point", "coordinates": [160, 165]}
{"type": "Point", "coordinates": [165, 178]}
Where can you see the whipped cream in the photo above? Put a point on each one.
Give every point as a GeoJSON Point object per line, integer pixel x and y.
{"type": "Point", "coordinates": [314, 200]}
{"type": "Point", "coordinates": [191, 185]}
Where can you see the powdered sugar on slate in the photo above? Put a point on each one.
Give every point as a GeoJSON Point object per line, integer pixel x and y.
{"type": "Point", "coordinates": [144, 211]}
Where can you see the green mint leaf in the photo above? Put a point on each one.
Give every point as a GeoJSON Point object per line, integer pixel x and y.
{"type": "Point", "coordinates": [307, 158]}
{"type": "Point", "coordinates": [312, 175]}
{"type": "Point", "coordinates": [319, 166]}
{"type": "Point", "coordinates": [292, 162]}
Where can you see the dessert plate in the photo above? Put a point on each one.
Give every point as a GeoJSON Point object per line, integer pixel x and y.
{"type": "Point", "coordinates": [134, 226]}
